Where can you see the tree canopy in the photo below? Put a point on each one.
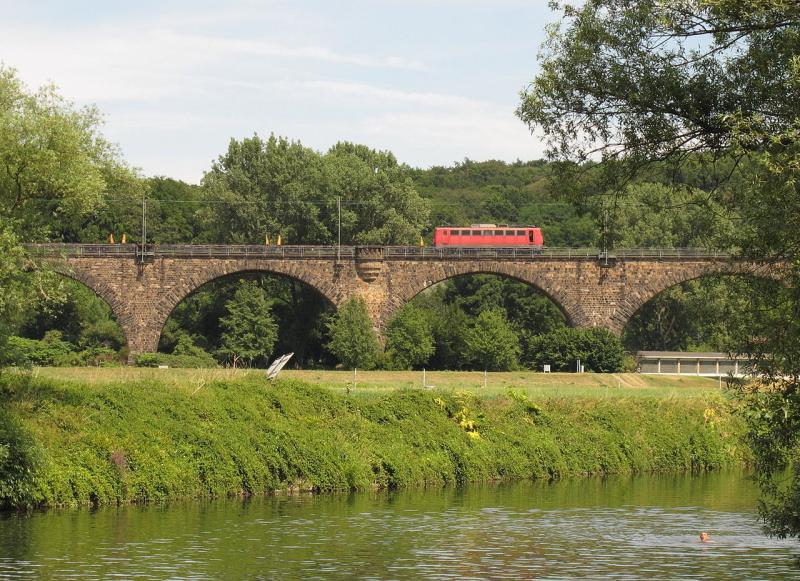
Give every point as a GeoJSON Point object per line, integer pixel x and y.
{"type": "Point", "coordinates": [628, 86]}
{"type": "Point", "coordinates": [277, 187]}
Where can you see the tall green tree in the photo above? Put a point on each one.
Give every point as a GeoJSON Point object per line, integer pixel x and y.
{"type": "Point", "coordinates": [265, 188]}
{"type": "Point", "coordinates": [55, 165]}
{"type": "Point", "coordinates": [409, 338]}
{"type": "Point", "coordinates": [248, 330]}
{"type": "Point", "coordinates": [353, 339]}
{"type": "Point", "coordinates": [14, 285]}
{"type": "Point", "coordinates": [491, 343]}
{"type": "Point", "coordinates": [715, 83]}
{"type": "Point", "coordinates": [55, 169]}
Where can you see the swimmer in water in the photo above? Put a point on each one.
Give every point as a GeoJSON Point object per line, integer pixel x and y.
{"type": "Point", "coordinates": [705, 538]}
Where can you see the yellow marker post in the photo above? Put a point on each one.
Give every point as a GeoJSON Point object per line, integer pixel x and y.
{"type": "Point", "coordinates": [124, 239]}
{"type": "Point", "coordinates": [279, 240]}
{"type": "Point", "coordinates": [111, 239]}
{"type": "Point", "coordinates": [266, 240]}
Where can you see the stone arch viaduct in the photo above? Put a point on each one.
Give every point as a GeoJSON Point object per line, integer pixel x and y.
{"type": "Point", "coordinates": [143, 285]}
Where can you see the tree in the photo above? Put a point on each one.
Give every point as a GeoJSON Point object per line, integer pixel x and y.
{"type": "Point", "coordinates": [353, 340]}
{"type": "Point", "coordinates": [525, 307]}
{"type": "Point", "coordinates": [715, 83]}
{"type": "Point", "coordinates": [279, 186]}
{"type": "Point", "coordinates": [249, 331]}
{"type": "Point", "coordinates": [55, 166]}
{"type": "Point", "coordinates": [491, 343]}
{"type": "Point", "coordinates": [598, 350]}
{"type": "Point", "coordinates": [651, 81]}
{"type": "Point", "coordinates": [14, 286]}
{"type": "Point", "coordinates": [409, 338]}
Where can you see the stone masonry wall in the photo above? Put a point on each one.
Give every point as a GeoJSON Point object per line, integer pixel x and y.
{"type": "Point", "coordinates": [142, 296]}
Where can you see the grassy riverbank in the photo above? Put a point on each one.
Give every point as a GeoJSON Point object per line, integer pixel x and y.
{"type": "Point", "coordinates": [72, 441]}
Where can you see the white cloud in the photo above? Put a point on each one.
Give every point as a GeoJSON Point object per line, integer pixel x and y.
{"type": "Point", "coordinates": [177, 84]}
{"type": "Point", "coordinates": [363, 91]}
{"type": "Point", "coordinates": [145, 64]}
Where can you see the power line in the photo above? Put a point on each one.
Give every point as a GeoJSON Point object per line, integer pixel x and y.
{"type": "Point", "coordinates": [332, 203]}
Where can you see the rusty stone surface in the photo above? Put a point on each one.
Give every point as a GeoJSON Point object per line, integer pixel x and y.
{"type": "Point", "coordinates": [590, 294]}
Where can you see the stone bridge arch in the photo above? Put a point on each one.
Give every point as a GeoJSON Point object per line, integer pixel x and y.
{"type": "Point", "coordinates": [410, 280]}
{"type": "Point", "coordinates": [648, 287]}
{"type": "Point", "coordinates": [188, 286]}
{"type": "Point", "coordinates": [101, 289]}
{"type": "Point", "coordinates": [142, 296]}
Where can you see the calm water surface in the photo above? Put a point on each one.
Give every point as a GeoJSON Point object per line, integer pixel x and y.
{"type": "Point", "coordinates": [624, 527]}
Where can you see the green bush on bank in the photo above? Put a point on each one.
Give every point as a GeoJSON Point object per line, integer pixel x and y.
{"type": "Point", "coordinates": [53, 351]}
{"type": "Point", "coordinates": [70, 444]}
{"type": "Point", "coordinates": [192, 361]}
{"type": "Point", "coordinates": [598, 350]}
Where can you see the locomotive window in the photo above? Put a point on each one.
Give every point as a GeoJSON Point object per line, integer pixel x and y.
{"type": "Point", "coordinates": [486, 232]}
{"type": "Point", "coordinates": [520, 232]}
{"type": "Point", "coordinates": [475, 232]}
{"type": "Point", "coordinates": [499, 232]}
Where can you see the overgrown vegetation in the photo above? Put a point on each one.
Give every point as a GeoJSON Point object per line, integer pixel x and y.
{"type": "Point", "coordinates": [69, 443]}
{"type": "Point", "coordinates": [712, 88]}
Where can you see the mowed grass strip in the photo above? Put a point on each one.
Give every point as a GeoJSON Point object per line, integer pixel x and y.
{"type": "Point", "coordinates": [535, 385]}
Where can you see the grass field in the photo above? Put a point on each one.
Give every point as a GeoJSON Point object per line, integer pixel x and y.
{"type": "Point", "coordinates": [536, 385]}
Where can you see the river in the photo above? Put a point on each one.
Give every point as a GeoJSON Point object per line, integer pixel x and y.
{"type": "Point", "coordinates": [640, 527]}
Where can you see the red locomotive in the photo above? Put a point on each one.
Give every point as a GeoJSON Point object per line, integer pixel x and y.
{"type": "Point", "coordinates": [483, 235]}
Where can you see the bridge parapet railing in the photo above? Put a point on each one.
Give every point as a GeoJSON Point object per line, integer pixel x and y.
{"type": "Point", "coordinates": [348, 252]}
{"type": "Point", "coordinates": [82, 249]}
{"type": "Point", "coordinates": [252, 251]}
{"type": "Point", "coordinates": [471, 253]}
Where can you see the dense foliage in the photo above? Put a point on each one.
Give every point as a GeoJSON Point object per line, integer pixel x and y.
{"type": "Point", "coordinates": [714, 83]}
{"type": "Point", "coordinates": [353, 338]}
{"type": "Point", "coordinates": [55, 169]}
{"type": "Point", "coordinates": [597, 350]}
{"type": "Point", "coordinates": [66, 443]}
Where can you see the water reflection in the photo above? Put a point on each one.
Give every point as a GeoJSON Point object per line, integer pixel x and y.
{"type": "Point", "coordinates": [625, 527]}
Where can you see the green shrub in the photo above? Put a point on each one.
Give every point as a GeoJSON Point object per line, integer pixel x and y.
{"type": "Point", "coordinates": [51, 351]}
{"type": "Point", "coordinates": [409, 339]}
{"type": "Point", "coordinates": [20, 460]}
{"type": "Point", "coordinates": [599, 350]}
{"type": "Point", "coordinates": [353, 340]}
{"type": "Point", "coordinates": [68, 443]}
{"type": "Point", "coordinates": [176, 360]}
{"type": "Point", "coordinates": [491, 343]}
{"type": "Point", "coordinates": [98, 357]}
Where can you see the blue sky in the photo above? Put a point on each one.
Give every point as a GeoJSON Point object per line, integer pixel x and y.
{"type": "Point", "coordinates": [433, 81]}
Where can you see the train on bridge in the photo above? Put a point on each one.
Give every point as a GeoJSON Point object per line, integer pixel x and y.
{"type": "Point", "coordinates": [489, 235]}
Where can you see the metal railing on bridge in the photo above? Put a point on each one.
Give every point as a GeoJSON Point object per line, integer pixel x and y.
{"type": "Point", "coordinates": [349, 252]}
{"type": "Point", "coordinates": [418, 252]}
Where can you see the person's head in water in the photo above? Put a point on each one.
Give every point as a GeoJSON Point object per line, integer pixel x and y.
{"type": "Point", "coordinates": [704, 537]}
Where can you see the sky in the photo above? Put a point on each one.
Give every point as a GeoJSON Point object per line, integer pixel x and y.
{"type": "Point", "coordinates": [432, 81]}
